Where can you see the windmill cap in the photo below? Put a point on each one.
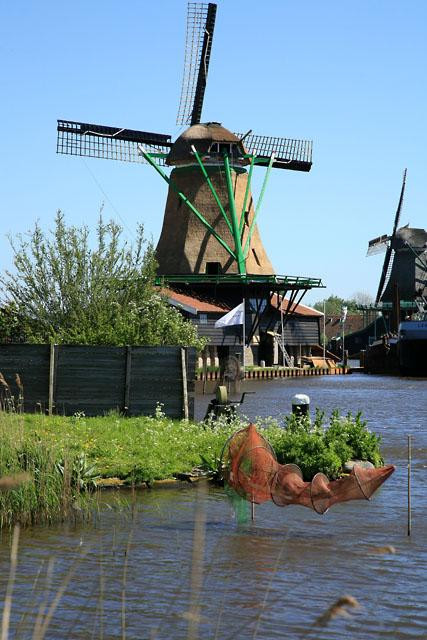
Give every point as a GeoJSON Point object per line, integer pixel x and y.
{"type": "Point", "coordinates": [201, 136]}
{"type": "Point", "coordinates": [414, 237]}
{"type": "Point", "coordinates": [300, 399]}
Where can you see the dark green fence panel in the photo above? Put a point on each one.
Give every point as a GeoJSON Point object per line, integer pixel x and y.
{"type": "Point", "coordinates": [89, 379]}
{"type": "Point", "coordinates": [31, 362]}
{"type": "Point", "coordinates": [98, 379]}
{"type": "Point", "coordinates": [156, 378]}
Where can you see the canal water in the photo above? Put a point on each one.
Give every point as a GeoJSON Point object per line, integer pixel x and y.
{"type": "Point", "coordinates": [178, 563]}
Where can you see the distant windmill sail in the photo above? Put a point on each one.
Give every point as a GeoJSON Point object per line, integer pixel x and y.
{"type": "Point", "coordinates": [389, 256]}
{"type": "Point", "coordinates": [378, 245]}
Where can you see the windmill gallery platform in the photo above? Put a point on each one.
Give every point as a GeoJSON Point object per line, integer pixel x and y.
{"type": "Point", "coordinates": [210, 248]}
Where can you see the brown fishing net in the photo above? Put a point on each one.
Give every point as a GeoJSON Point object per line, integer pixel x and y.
{"type": "Point", "coordinates": [249, 465]}
{"type": "Point", "coordinates": [251, 469]}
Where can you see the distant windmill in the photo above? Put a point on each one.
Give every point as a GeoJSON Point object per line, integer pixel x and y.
{"type": "Point", "coordinates": [385, 242]}
{"type": "Point", "coordinates": [405, 262]}
{"type": "Point", "coordinates": [209, 224]}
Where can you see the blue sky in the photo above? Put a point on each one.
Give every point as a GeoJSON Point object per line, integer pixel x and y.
{"type": "Point", "coordinates": [349, 75]}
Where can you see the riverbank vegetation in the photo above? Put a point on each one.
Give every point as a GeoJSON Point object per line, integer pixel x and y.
{"type": "Point", "coordinates": [60, 459]}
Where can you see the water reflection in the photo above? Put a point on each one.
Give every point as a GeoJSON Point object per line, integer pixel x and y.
{"type": "Point", "coordinates": [267, 579]}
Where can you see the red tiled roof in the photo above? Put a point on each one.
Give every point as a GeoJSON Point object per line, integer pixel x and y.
{"type": "Point", "coordinates": [299, 310]}
{"type": "Point", "coordinates": [333, 327]}
{"type": "Point", "coordinates": [197, 304]}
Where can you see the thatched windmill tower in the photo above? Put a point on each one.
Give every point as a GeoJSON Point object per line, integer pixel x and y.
{"type": "Point", "coordinates": [187, 246]}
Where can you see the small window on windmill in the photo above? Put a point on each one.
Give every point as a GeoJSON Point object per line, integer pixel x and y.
{"type": "Point", "coordinates": [213, 268]}
{"type": "Point", "coordinates": [256, 257]}
{"type": "Point", "coordinates": [213, 149]}
{"type": "Point", "coordinates": [225, 148]}
{"type": "Point", "coordinates": [203, 318]}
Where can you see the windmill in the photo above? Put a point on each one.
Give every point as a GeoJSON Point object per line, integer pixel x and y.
{"type": "Point", "coordinates": [405, 262]}
{"type": "Point", "coordinates": [209, 236]}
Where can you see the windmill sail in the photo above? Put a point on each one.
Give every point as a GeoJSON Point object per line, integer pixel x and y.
{"type": "Point", "coordinates": [378, 245]}
{"type": "Point", "coordinates": [113, 143]}
{"type": "Point", "coordinates": [389, 256]}
{"type": "Point", "coordinates": [289, 153]}
{"type": "Point", "coordinates": [399, 206]}
{"type": "Point", "coordinates": [200, 29]}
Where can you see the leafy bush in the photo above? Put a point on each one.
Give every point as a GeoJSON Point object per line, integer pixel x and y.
{"type": "Point", "coordinates": [69, 290]}
{"type": "Point", "coordinates": [314, 447]}
{"type": "Point", "coordinates": [354, 433]}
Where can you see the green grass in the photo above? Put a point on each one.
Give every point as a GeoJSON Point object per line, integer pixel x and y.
{"type": "Point", "coordinates": [134, 449]}
{"type": "Point", "coordinates": [64, 456]}
{"type": "Point", "coordinates": [48, 482]}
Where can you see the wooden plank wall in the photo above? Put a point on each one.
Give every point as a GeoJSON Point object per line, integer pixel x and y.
{"type": "Point", "coordinates": [299, 330]}
{"type": "Point", "coordinates": [223, 336]}
{"type": "Point", "coordinates": [97, 379]}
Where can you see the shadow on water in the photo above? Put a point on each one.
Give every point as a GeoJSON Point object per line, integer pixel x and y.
{"type": "Point", "coordinates": [271, 578]}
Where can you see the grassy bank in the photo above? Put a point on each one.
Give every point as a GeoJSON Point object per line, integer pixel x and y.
{"type": "Point", "coordinates": [65, 457]}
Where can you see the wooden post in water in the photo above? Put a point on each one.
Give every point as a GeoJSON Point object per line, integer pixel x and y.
{"type": "Point", "coordinates": [252, 510]}
{"type": "Point", "coordinates": [409, 483]}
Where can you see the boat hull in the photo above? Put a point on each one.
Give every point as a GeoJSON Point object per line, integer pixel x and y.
{"type": "Point", "coordinates": [412, 348]}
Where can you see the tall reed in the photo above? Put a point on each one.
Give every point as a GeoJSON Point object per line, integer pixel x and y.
{"type": "Point", "coordinates": [44, 491]}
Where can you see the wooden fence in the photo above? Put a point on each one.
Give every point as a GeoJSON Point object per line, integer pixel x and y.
{"type": "Point", "coordinates": [66, 379]}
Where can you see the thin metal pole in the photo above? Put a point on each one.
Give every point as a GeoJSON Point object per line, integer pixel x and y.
{"type": "Point", "coordinates": [252, 510]}
{"type": "Point", "coordinates": [342, 345]}
{"type": "Point", "coordinates": [282, 336]}
{"type": "Point", "coordinates": [324, 332]}
{"type": "Point", "coordinates": [244, 336]}
{"type": "Point", "coordinates": [409, 483]}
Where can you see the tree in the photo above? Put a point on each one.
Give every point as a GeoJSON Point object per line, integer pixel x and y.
{"type": "Point", "coordinates": [362, 298]}
{"type": "Point", "coordinates": [334, 304]}
{"type": "Point", "coordinates": [11, 329]}
{"type": "Point", "coordinates": [64, 291]}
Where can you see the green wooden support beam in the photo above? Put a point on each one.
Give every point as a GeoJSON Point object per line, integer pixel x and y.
{"type": "Point", "coordinates": [171, 183]}
{"type": "Point", "coordinates": [159, 155]}
{"type": "Point", "coordinates": [240, 258]}
{"type": "Point", "coordinates": [245, 199]}
{"type": "Point", "coordinates": [258, 206]}
{"type": "Point", "coordinates": [212, 188]}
